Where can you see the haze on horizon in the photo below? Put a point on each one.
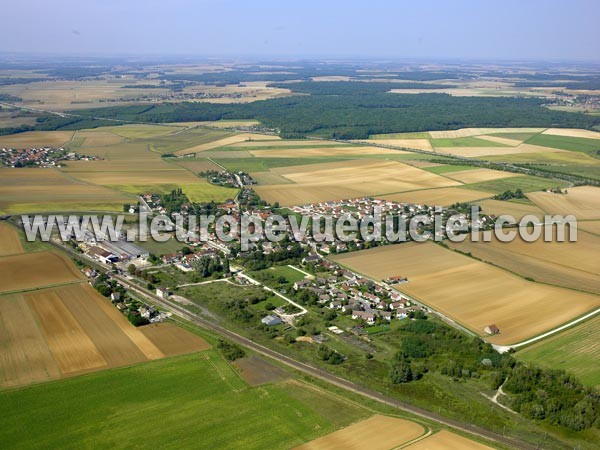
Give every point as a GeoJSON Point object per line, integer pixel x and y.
{"type": "Point", "coordinates": [462, 29]}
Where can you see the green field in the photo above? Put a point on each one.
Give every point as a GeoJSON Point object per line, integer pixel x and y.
{"type": "Point", "coordinates": [465, 142]}
{"type": "Point", "coordinates": [288, 273]}
{"type": "Point", "coordinates": [516, 136]}
{"type": "Point", "coordinates": [186, 139]}
{"type": "Point", "coordinates": [205, 192]}
{"type": "Point", "coordinates": [264, 164]}
{"type": "Point", "coordinates": [141, 131]}
{"type": "Point", "coordinates": [576, 350]}
{"type": "Point", "coordinates": [417, 135]}
{"type": "Point", "coordinates": [585, 145]}
{"type": "Point", "coordinates": [526, 183]}
{"type": "Point", "coordinates": [448, 168]}
{"type": "Point", "coordinates": [192, 401]}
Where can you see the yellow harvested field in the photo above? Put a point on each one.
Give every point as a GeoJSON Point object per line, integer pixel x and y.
{"type": "Point", "coordinates": [582, 201]}
{"type": "Point", "coordinates": [197, 166]}
{"type": "Point", "coordinates": [437, 197]}
{"type": "Point", "coordinates": [572, 265]}
{"type": "Point", "coordinates": [36, 139]}
{"type": "Point", "coordinates": [172, 340]}
{"type": "Point", "coordinates": [57, 332]}
{"type": "Point", "coordinates": [573, 132]}
{"type": "Point", "coordinates": [445, 440]}
{"type": "Point", "coordinates": [419, 144]}
{"type": "Point", "coordinates": [375, 433]}
{"type": "Point", "coordinates": [167, 175]}
{"type": "Point", "coordinates": [35, 270]}
{"type": "Point", "coordinates": [354, 150]}
{"type": "Point", "coordinates": [348, 179]}
{"type": "Point", "coordinates": [467, 132]}
{"type": "Point", "coordinates": [265, 178]}
{"type": "Point", "coordinates": [471, 292]}
{"type": "Point", "coordinates": [517, 210]}
{"type": "Point", "coordinates": [500, 140]}
{"type": "Point", "coordinates": [10, 244]}
{"type": "Point", "coordinates": [478, 175]}
{"type": "Point", "coordinates": [474, 152]}
{"type": "Point", "coordinates": [243, 137]}
{"type": "Point", "coordinates": [591, 226]}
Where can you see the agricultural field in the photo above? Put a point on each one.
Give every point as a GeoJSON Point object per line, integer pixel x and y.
{"type": "Point", "coordinates": [278, 416]}
{"type": "Point", "coordinates": [224, 141]}
{"type": "Point", "coordinates": [471, 176]}
{"type": "Point", "coordinates": [437, 197]}
{"type": "Point", "coordinates": [443, 440]}
{"type": "Point", "coordinates": [577, 144]}
{"type": "Point", "coordinates": [468, 141]}
{"type": "Point", "coordinates": [526, 183]}
{"type": "Point", "coordinates": [487, 295]}
{"type": "Point", "coordinates": [354, 151]}
{"type": "Point", "coordinates": [572, 265]}
{"type": "Point", "coordinates": [575, 350]}
{"type": "Point", "coordinates": [591, 226]}
{"type": "Point", "coordinates": [516, 209]}
{"type": "Point", "coordinates": [10, 244]}
{"type": "Point", "coordinates": [256, 371]}
{"type": "Point", "coordinates": [583, 202]}
{"type": "Point", "coordinates": [418, 144]}
{"type": "Point", "coordinates": [36, 139]}
{"type": "Point", "coordinates": [381, 433]}
{"type": "Point", "coordinates": [332, 181]}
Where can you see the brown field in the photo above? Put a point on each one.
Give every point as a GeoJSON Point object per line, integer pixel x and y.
{"type": "Point", "coordinates": [572, 265]}
{"type": "Point", "coordinates": [172, 340]}
{"type": "Point", "coordinates": [582, 201]}
{"type": "Point", "coordinates": [437, 197]}
{"type": "Point", "coordinates": [256, 371]}
{"type": "Point", "coordinates": [517, 210]}
{"type": "Point", "coordinates": [35, 270]}
{"type": "Point", "coordinates": [375, 433]}
{"type": "Point", "coordinates": [324, 151]}
{"type": "Point", "coordinates": [592, 226]}
{"type": "Point", "coordinates": [10, 244]}
{"type": "Point", "coordinates": [242, 137]}
{"type": "Point", "coordinates": [478, 175]}
{"type": "Point", "coordinates": [36, 139]}
{"type": "Point", "coordinates": [571, 132]}
{"type": "Point", "coordinates": [445, 440]}
{"type": "Point", "coordinates": [467, 132]}
{"type": "Point", "coordinates": [43, 190]}
{"type": "Point", "coordinates": [170, 174]}
{"type": "Point", "coordinates": [419, 144]}
{"type": "Point", "coordinates": [197, 166]}
{"type": "Point", "coordinates": [485, 294]}
{"type": "Point", "coordinates": [348, 179]}
{"type": "Point", "coordinates": [69, 330]}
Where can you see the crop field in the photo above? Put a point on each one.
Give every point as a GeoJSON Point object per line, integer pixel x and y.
{"type": "Point", "coordinates": [515, 209]}
{"type": "Point", "coordinates": [575, 350]}
{"type": "Point", "coordinates": [141, 131]}
{"type": "Point", "coordinates": [591, 226]}
{"type": "Point", "coordinates": [486, 294]}
{"type": "Point", "coordinates": [35, 270]}
{"type": "Point", "coordinates": [578, 144]}
{"type": "Point", "coordinates": [416, 135]}
{"type": "Point", "coordinates": [276, 416]}
{"type": "Point", "coordinates": [354, 150]}
{"type": "Point", "coordinates": [526, 183]}
{"type": "Point", "coordinates": [93, 138]}
{"type": "Point", "coordinates": [572, 132]}
{"type": "Point", "coordinates": [223, 141]}
{"type": "Point", "coordinates": [68, 330]}
{"type": "Point", "coordinates": [10, 244]}
{"type": "Point", "coordinates": [36, 139]}
{"type": "Point", "coordinates": [466, 132]}
{"type": "Point", "coordinates": [500, 140]}
{"type": "Point", "coordinates": [444, 440]}
{"type": "Point", "coordinates": [582, 201]}
{"type": "Point", "coordinates": [418, 144]}
{"type": "Point", "coordinates": [256, 371]}
{"type": "Point", "coordinates": [203, 191]}
{"type": "Point", "coordinates": [197, 165]}
{"type": "Point", "coordinates": [478, 175]}
{"type": "Point", "coordinates": [468, 141]}
{"type": "Point", "coordinates": [381, 433]}
{"type": "Point", "coordinates": [437, 197]}
{"type": "Point", "coordinates": [269, 142]}
{"type": "Point", "coordinates": [340, 180]}
{"type": "Point", "coordinates": [572, 265]}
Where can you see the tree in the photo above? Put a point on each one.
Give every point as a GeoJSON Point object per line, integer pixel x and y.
{"type": "Point", "coordinates": [131, 269]}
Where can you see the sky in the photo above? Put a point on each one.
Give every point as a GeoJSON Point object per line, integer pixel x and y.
{"type": "Point", "coordinates": [427, 29]}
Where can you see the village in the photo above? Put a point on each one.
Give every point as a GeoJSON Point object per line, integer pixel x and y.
{"type": "Point", "coordinates": [40, 157]}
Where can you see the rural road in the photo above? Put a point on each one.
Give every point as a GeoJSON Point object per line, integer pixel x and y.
{"type": "Point", "coordinates": [307, 368]}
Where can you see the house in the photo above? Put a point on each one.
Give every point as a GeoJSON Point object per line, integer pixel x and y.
{"type": "Point", "coordinates": [301, 284]}
{"type": "Point", "coordinates": [402, 313]}
{"type": "Point", "coordinates": [335, 305]}
{"type": "Point", "coordinates": [387, 315]}
{"type": "Point", "coordinates": [102, 255]}
{"type": "Point", "coordinates": [162, 293]}
{"type": "Point", "coordinates": [492, 329]}
{"type": "Point", "coordinates": [271, 320]}
{"type": "Point", "coordinates": [368, 317]}
{"type": "Point", "coordinates": [115, 296]}
{"type": "Point", "coordinates": [310, 259]}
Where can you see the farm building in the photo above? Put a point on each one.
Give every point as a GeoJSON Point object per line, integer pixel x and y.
{"type": "Point", "coordinates": [271, 320]}
{"type": "Point", "coordinates": [492, 329]}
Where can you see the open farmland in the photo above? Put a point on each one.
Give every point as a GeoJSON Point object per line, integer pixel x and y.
{"type": "Point", "coordinates": [223, 141]}
{"type": "Point", "coordinates": [575, 350]}
{"type": "Point", "coordinates": [437, 197]}
{"type": "Point", "coordinates": [515, 209]}
{"type": "Point", "coordinates": [583, 202]}
{"type": "Point", "coordinates": [43, 190]}
{"type": "Point", "coordinates": [466, 132]}
{"type": "Point", "coordinates": [10, 244]}
{"type": "Point", "coordinates": [573, 265]}
{"type": "Point", "coordinates": [94, 138]}
{"type": "Point", "coordinates": [354, 150]}
{"type": "Point", "coordinates": [340, 180]}
{"type": "Point", "coordinates": [487, 295]}
{"type": "Point", "coordinates": [140, 131]}
{"type": "Point", "coordinates": [36, 139]}
{"type": "Point", "coordinates": [478, 175]}
{"type": "Point", "coordinates": [35, 270]}
{"type": "Point", "coordinates": [418, 144]}
{"type": "Point", "coordinates": [572, 132]}
{"type": "Point", "coordinates": [375, 433]}
{"type": "Point", "coordinates": [275, 416]}
{"type": "Point", "coordinates": [591, 226]}
{"type": "Point", "coordinates": [68, 330]}
{"type": "Point", "coordinates": [444, 440]}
